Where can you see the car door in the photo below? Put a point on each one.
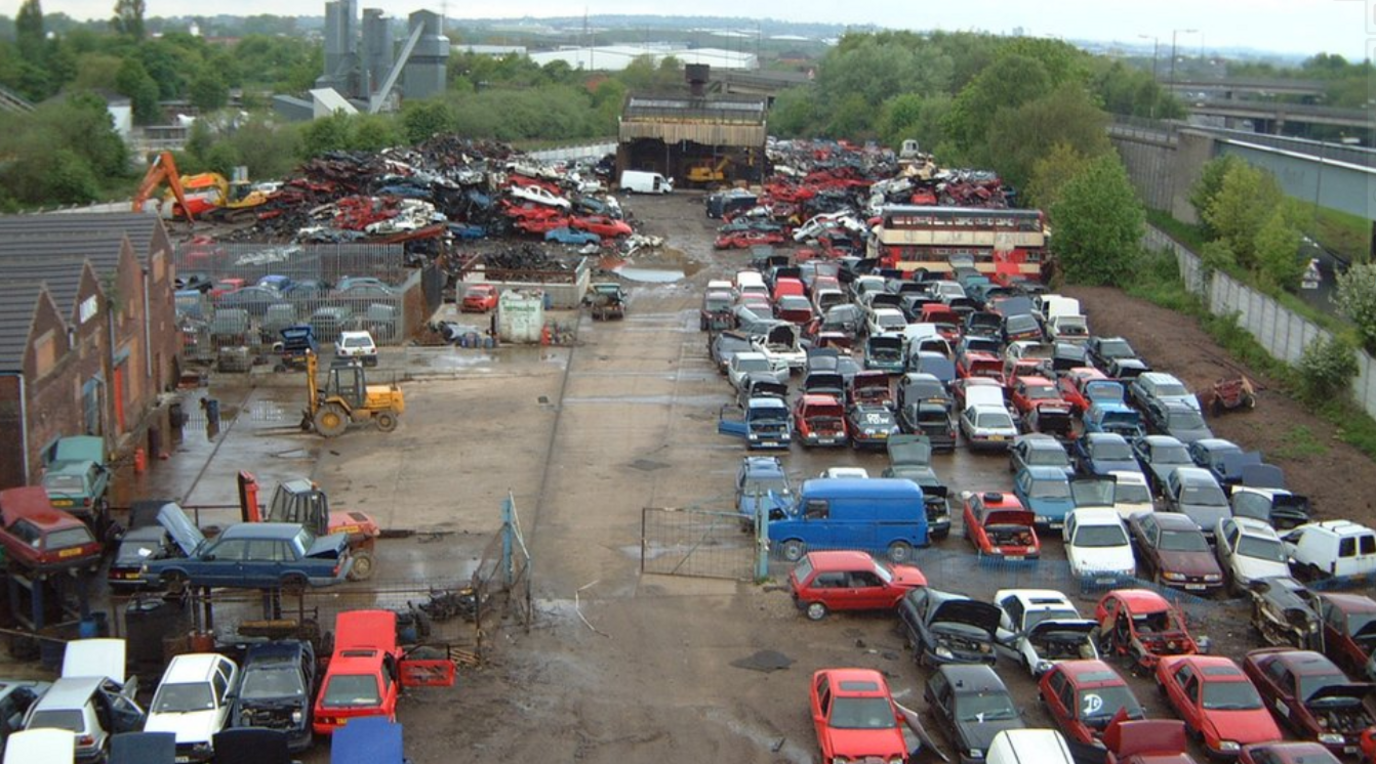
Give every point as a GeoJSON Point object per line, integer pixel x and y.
{"type": "Point", "coordinates": [1183, 690]}
{"type": "Point", "coordinates": [222, 564]}
{"type": "Point", "coordinates": [731, 421]}
{"type": "Point", "coordinates": [1337, 644]}
{"type": "Point", "coordinates": [125, 714]}
{"type": "Point", "coordinates": [1151, 547]}
{"type": "Point", "coordinates": [821, 709]}
{"type": "Point", "coordinates": [222, 682]}
{"type": "Point", "coordinates": [1226, 545]}
{"type": "Point", "coordinates": [867, 590]}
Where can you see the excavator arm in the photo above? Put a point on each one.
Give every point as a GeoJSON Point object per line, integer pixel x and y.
{"type": "Point", "coordinates": [164, 168]}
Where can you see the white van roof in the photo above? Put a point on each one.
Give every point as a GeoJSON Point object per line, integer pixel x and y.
{"type": "Point", "coordinates": [984, 395]}
{"type": "Point", "coordinates": [1029, 746]}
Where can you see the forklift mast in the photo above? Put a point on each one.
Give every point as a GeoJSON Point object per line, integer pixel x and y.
{"type": "Point", "coordinates": [296, 500]}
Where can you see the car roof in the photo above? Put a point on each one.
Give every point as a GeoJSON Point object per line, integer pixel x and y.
{"type": "Point", "coordinates": [1302, 662]}
{"type": "Point", "coordinates": [1350, 603]}
{"type": "Point", "coordinates": [819, 399]}
{"type": "Point", "coordinates": [1163, 440]}
{"type": "Point", "coordinates": [1159, 376]}
{"type": "Point", "coordinates": [1174, 521]}
{"type": "Point", "coordinates": [764, 464]}
{"type": "Point", "coordinates": [971, 678]}
{"type": "Point", "coordinates": [1097, 436]}
{"type": "Point", "coordinates": [1140, 600]}
{"type": "Point", "coordinates": [1212, 667]}
{"type": "Point", "coordinates": [261, 531]}
{"type": "Point", "coordinates": [1097, 516]}
{"type": "Point", "coordinates": [838, 676]}
{"type": "Point", "coordinates": [1027, 596]}
{"type": "Point", "coordinates": [191, 667]}
{"type": "Point", "coordinates": [1046, 472]}
{"type": "Point", "coordinates": [1194, 475]}
{"type": "Point", "coordinates": [1250, 526]}
{"type": "Point", "coordinates": [1338, 527]}
{"type": "Point", "coordinates": [1129, 476]}
{"type": "Point", "coordinates": [839, 560]}
{"type": "Point", "coordinates": [1091, 673]}
{"type": "Point", "coordinates": [1211, 444]}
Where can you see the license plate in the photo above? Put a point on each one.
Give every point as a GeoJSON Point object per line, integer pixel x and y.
{"type": "Point", "coordinates": [1104, 580]}
{"type": "Point", "coordinates": [1349, 749]}
{"type": "Point", "coordinates": [1014, 557]}
{"type": "Point", "coordinates": [1055, 526]}
{"type": "Point", "coordinates": [996, 437]}
{"type": "Point", "coordinates": [1194, 587]}
{"type": "Point", "coordinates": [826, 441]}
{"type": "Point", "coordinates": [62, 502]}
{"type": "Point", "coordinates": [769, 443]}
{"type": "Point", "coordinates": [882, 435]}
{"type": "Point", "coordinates": [183, 760]}
{"type": "Point", "coordinates": [73, 552]}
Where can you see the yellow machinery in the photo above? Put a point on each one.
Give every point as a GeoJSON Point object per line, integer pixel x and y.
{"type": "Point", "coordinates": [347, 397]}
{"type": "Point", "coordinates": [163, 170]}
{"type": "Point", "coordinates": [706, 172]}
{"type": "Point", "coordinates": [209, 194]}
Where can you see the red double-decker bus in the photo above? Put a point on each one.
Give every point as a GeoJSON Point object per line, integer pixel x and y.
{"type": "Point", "coordinates": [1006, 244]}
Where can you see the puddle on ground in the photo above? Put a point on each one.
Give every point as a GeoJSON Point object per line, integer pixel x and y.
{"type": "Point", "coordinates": [664, 267]}
{"type": "Point", "coordinates": [649, 275]}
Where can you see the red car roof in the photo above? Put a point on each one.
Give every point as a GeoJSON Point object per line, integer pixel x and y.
{"type": "Point", "coordinates": [1206, 662]}
{"type": "Point", "coordinates": [839, 560]}
{"type": "Point", "coordinates": [1139, 601]}
{"type": "Point", "coordinates": [32, 504]}
{"type": "Point", "coordinates": [1091, 673]}
{"type": "Point", "coordinates": [1351, 603]}
{"type": "Point", "coordinates": [839, 678]}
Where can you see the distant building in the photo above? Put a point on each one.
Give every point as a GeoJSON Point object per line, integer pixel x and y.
{"type": "Point", "coordinates": [614, 58]}
{"type": "Point", "coordinates": [496, 51]}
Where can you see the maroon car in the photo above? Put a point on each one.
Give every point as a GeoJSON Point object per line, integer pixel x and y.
{"type": "Point", "coordinates": [41, 538]}
{"type": "Point", "coordinates": [1286, 753]}
{"type": "Point", "coordinates": [1349, 629]}
{"type": "Point", "coordinates": [1173, 548]}
{"type": "Point", "coordinates": [1312, 696]}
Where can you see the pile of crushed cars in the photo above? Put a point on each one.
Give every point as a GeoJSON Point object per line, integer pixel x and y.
{"type": "Point", "coordinates": [823, 193]}
{"type": "Point", "coordinates": [446, 189]}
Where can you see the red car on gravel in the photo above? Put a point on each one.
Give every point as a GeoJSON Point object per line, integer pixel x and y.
{"type": "Point", "coordinates": [855, 717]}
{"type": "Point", "coordinates": [1084, 696]}
{"type": "Point", "coordinates": [848, 580]}
{"type": "Point", "coordinates": [1219, 704]}
{"type": "Point", "coordinates": [1312, 696]}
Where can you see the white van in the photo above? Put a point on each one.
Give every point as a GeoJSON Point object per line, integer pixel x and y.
{"type": "Point", "coordinates": [646, 182]}
{"type": "Point", "coordinates": [1030, 746]}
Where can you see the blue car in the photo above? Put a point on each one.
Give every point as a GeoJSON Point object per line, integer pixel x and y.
{"type": "Point", "coordinates": [762, 483]}
{"type": "Point", "coordinates": [250, 556]}
{"type": "Point", "coordinates": [1100, 453]}
{"type": "Point", "coordinates": [1045, 490]}
{"type": "Point", "coordinates": [570, 236]}
{"type": "Point", "coordinates": [1119, 418]}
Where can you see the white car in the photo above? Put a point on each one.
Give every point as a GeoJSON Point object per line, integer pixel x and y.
{"type": "Point", "coordinates": [987, 427]}
{"type": "Point", "coordinates": [1249, 550]}
{"type": "Point", "coordinates": [745, 364]}
{"type": "Point", "coordinates": [1332, 548]}
{"type": "Point", "coordinates": [1131, 493]}
{"type": "Point", "coordinates": [1043, 626]}
{"type": "Point", "coordinates": [193, 701]}
{"type": "Point", "coordinates": [1097, 545]}
{"type": "Point", "coordinates": [540, 195]}
{"type": "Point", "coordinates": [782, 347]}
{"type": "Point", "coordinates": [885, 321]}
{"type": "Point", "coordinates": [357, 345]}
{"type": "Point", "coordinates": [845, 472]}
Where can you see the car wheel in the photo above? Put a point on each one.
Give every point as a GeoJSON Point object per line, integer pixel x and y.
{"type": "Point", "coordinates": [793, 550]}
{"type": "Point", "coordinates": [363, 567]}
{"type": "Point", "coordinates": [816, 611]}
{"type": "Point", "coordinates": [385, 421]}
{"type": "Point", "coordinates": [174, 581]}
{"type": "Point", "coordinates": [900, 552]}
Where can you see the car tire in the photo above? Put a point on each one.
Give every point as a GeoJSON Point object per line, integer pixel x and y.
{"type": "Point", "coordinates": [331, 420]}
{"type": "Point", "coordinates": [174, 581]}
{"type": "Point", "coordinates": [364, 566]}
{"type": "Point", "coordinates": [815, 611]}
{"type": "Point", "coordinates": [900, 553]}
{"type": "Point", "coordinates": [386, 421]}
{"type": "Point", "coordinates": [793, 550]}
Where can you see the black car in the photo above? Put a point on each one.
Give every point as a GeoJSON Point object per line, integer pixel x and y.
{"type": "Point", "coordinates": [1104, 350]}
{"type": "Point", "coordinates": [971, 705]}
{"type": "Point", "coordinates": [870, 425]}
{"type": "Point", "coordinates": [949, 628]}
{"type": "Point", "coordinates": [147, 539]}
{"type": "Point", "coordinates": [1176, 419]}
{"type": "Point", "coordinates": [275, 690]}
{"type": "Point", "coordinates": [931, 419]}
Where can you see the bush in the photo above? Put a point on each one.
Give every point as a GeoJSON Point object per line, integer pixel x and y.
{"type": "Point", "coordinates": [1327, 369]}
{"type": "Point", "coordinates": [1357, 299]}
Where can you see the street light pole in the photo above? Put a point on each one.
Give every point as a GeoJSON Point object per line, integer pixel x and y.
{"type": "Point", "coordinates": [1175, 33]}
{"type": "Point", "coordinates": [1155, 50]}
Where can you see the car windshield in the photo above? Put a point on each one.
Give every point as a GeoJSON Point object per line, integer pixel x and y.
{"type": "Point", "coordinates": [1170, 455]}
{"type": "Point", "coordinates": [1115, 349]}
{"type": "Point", "coordinates": [135, 552]}
{"type": "Point", "coordinates": [343, 690]}
{"type": "Point", "coordinates": [1312, 683]}
{"type": "Point", "coordinates": [718, 303]}
{"type": "Point", "coordinates": [476, 292]}
{"type": "Point", "coordinates": [1104, 702]}
{"type": "Point", "coordinates": [1098, 536]}
{"type": "Point", "coordinates": [1051, 489]}
{"type": "Point", "coordinates": [1131, 493]}
{"type": "Point", "coordinates": [751, 364]}
{"type": "Point", "coordinates": [1186, 420]}
{"type": "Point", "coordinates": [1042, 393]}
{"type": "Point", "coordinates": [56, 720]}
{"type": "Point", "coordinates": [764, 486]}
{"type": "Point", "coordinates": [1230, 696]}
{"type": "Point", "coordinates": [183, 698]}
{"type": "Point", "coordinates": [69, 537]}
{"type": "Point", "coordinates": [1112, 450]}
{"type": "Point", "coordinates": [281, 681]}
{"type": "Point", "coordinates": [1183, 541]}
{"type": "Point", "coordinates": [357, 342]}
{"type": "Point", "coordinates": [984, 707]}
{"type": "Point", "coordinates": [1035, 617]}
{"type": "Point", "coordinates": [862, 714]}
{"type": "Point", "coordinates": [994, 420]}
{"type": "Point", "coordinates": [1171, 390]}
{"type": "Point", "coordinates": [1362, 627]}
{"type": "Point", "coordinates": [1022, 323]}
{"type": "Point", "coordinates": [1204, 495]}
{"type": "Point", "coordinates": [1268, 549]}
{"type": "Point", "coordinates": [891, 320]}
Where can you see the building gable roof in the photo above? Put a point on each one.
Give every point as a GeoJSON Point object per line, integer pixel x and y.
{"type": "Point", "coordinates": [18, 304]}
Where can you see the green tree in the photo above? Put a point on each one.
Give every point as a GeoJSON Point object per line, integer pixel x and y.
{"type": "Point", "coordinates": [268, 151]}
{"type": "Point", "coordinates": [28, 31]}
{"type": "Point", "coordinates": [1356, 297]}
{"type": "Point", "coordinates": [1277, 244]}
{"type": "Point", "coordinates": [1008, 83]}
{"type": "Point", "coordinates": [128, 19]}
{"type": "Point", "coordinates": [1207, 187]}
{"type": "Point", "coordinates": [1327, 367]}
{"type": "Point", "coordinates": [794, 113]}
{"type": "Point", "coordinates": [326, 134]}
{"type": "Point", "coordinates": [898, 118]}
{"type": "Point", "coordinates": [208, 91]}
{"type": "Point", "coordinates": [1051, 172]}
{"type": "Point", "coordinates": [374, 132]}
{"type": "Point", "coordinates": [1099, 224]}
{"type": "Point", "coordinates": [1247, 197]}
{"type": "Point", "coordinates": [853, 119]}
{"type": "Point", "coordinates": [1019, 136]}
{"type": "Point", "coordinates": [222, 157]}
{"type": "Point", "coordinates": [133, 80]}
{"type": "Point", "coordinates": [422, 119]}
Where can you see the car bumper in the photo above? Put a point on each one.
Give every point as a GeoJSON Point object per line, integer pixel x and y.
{"type": "Point", "coordinates": [988, 443]}
{"type": "Point", "coordinates": [939, 529]}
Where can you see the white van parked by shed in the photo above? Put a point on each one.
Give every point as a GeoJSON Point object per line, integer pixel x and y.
{"type": "Point", "coordinates": [642, 182]}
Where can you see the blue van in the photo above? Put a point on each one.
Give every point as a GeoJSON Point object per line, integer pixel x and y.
{"type": "Point", "coordinates": [875, 514]}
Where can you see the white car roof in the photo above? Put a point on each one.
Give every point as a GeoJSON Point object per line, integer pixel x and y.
{"type": "Point", "coordinates": [1250, 526]}
{"type": "Point", "coordinates": [1097, 516]}
{"type": "Point", "coordinates": [1129, 476]}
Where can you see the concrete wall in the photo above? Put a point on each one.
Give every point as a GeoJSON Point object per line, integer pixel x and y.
{"type": "Point", "coordinates": [1164, 166]}
{"type": "Point", "coordinates": [1282, 332]}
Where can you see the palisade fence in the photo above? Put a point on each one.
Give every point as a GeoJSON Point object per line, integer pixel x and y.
{"type": "Point", "coordinates": [1283, 333]}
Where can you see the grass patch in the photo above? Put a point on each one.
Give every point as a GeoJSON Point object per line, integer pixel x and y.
{"type": "Point", "coordinates": [1346, 234]}
{"type": "Point", "coordinates": [1185, 233]}
{"type": "Point", "coordinates": [1300, 443]}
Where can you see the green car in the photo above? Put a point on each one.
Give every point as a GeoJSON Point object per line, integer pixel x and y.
{"type": "Point", "coordinates": [77, 480]}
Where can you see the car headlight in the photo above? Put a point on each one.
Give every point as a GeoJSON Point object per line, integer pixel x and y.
{"type": "Point", "coordinates": [1044, 666]}
{"type": "Point", "coordinates": [943, 652]}
{"type": "Point", "coordinates": [754, 436]}
{"type": "Point", "coordinates": [1228, 746]}
{"type": "Point", "coordinates": [976, 753]}
{"type": "Point", "coordinates": [1173, 576]}
{"type": "Point", "coordinates": [1331, 738]}
{"type": "Point", "coordinates": [1212, 577]}
{"type": "Point", "coordinates": [297, 716]}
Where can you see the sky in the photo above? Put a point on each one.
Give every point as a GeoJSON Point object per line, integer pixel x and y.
{"type": "Point", "coordinates": [1346, 27]}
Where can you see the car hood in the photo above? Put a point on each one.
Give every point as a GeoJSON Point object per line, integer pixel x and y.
{"type": "Point", "coordinates": [880, 744]}
{"type": "Point", "coordinates": [1251, 568]}
{"type": "Point", "coordinates": [910, 450]}
{"type": "Point", "coordinates": [1109, 559]}
{"type": "Point", "coordinates": [190, 727]}
{"type": "Point", "coordinates": [982, 615]}
{"type": "Point", "coordinates": [980, 734]}
{"type": "Point", "coordinates": [1249, 726]}
{"type": "Point", "coordinates": [1206, 515]}
{"type": "Point", "coordinates": [1190, 563]}
{"type": "Point", "coordinates": [1351, 690]}
{"type": "Point", "coordinates": [184, 532]}
{"type": "Point", "coordinates": [908, 575]}
{"type": "Point", "coordinates": [329, 546]}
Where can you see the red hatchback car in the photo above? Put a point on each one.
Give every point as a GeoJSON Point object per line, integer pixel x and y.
{"type": "Point", "coordinates": [998, 525]}
{"type": "Point", "coordinates": [847, 580]}
{"type": "Point", "coordinates": [1141, 625]}
{"type": "Point", "coordinates": [41, 538]}
{"type": "Point", "coordinates": [479, 298]}
{"type": "Point", "coordinates": [1217, 702]}
{"type": "Point", "coordinates": [855, 717]}
{"type": "Point", "coordinates": [1084, 696]}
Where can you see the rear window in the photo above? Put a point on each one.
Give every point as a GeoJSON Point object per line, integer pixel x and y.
{"type": "Point", "coordinates": [358, 342]}
{"type": "Point", "coordinates": [69, 537]}
{"type": "Point", "coordinates": [346, 690]}
{"type": "Point", "coordinates": [57, 720]}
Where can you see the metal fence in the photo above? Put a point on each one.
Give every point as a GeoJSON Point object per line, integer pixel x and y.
{"type": "Point", "coordinates": [300, 262]}
{"type": "Point", "coordinates": [696, 542]}
{"type": "Point", "coordinates": [1284, 333]}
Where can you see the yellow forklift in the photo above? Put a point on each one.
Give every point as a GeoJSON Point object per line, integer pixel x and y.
{"type": "Point", "coordinates": [345, 397]}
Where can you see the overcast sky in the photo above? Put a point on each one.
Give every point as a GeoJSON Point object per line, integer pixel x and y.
{"type": "Point", "coordinates": [1347, 27]}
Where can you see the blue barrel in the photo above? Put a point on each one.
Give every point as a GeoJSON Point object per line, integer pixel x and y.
{"type": "Point", "coordinates": [549, 301]}
{"type": "Point", "coordinates": [212, 411]}
{"type": "Point", "coordinates": [489, 342]}
{"type": "Point", "coordinates": [94, 626]}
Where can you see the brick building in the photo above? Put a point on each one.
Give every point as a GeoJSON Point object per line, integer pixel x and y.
{"type": "Point", "coordinates": [88, 332]}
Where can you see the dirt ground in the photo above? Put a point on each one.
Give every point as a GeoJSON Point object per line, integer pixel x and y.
{"type": "Point", "coordinates": [1339, 479]}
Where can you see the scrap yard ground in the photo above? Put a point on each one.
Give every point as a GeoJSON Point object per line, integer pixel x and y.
{"type": "Point", "coordinates": [620, 666]}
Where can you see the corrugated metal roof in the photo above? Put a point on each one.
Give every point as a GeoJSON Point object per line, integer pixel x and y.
{"type": "Point", "coordinates": [707, 134]}
{"type": "Point", "coordinates": [18, 301]}
{"type": "Point", "coordinates": [748, 110]}
{"type": "Point", "coordinates": [140, 227]}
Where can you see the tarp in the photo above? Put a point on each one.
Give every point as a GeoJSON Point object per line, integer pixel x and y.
{"type": "Point", "coordinates": [367, 740]}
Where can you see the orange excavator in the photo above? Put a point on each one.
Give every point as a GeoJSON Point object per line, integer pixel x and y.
{"type": "Point", "coordinates": [164, 168]}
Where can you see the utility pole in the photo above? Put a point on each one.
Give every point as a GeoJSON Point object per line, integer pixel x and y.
{"type": "Point", "coordinates": [1175, 33]}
